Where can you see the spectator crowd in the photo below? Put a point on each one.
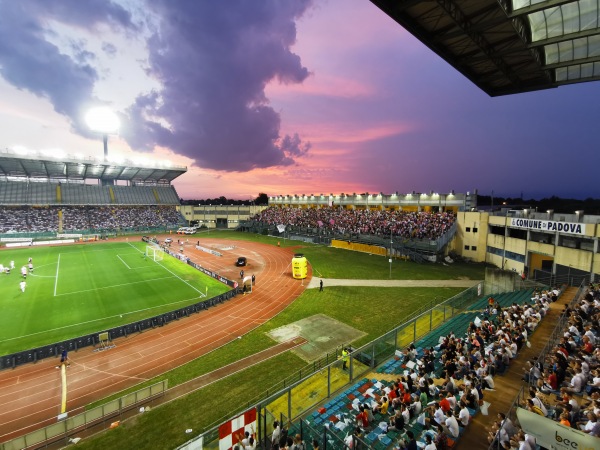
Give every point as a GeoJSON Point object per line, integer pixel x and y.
{"type": "Point", "coordinates": [79, 218]}
{"type": "Point", "coordinates": [383, 223]}
{"type": "Point", "coordinates": [443, 387]}
{"type": "Point", "coordinates": [565, 386]}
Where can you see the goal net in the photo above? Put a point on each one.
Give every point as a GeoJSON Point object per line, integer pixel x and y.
{"type": "Point", "coordinates": [155, 253]}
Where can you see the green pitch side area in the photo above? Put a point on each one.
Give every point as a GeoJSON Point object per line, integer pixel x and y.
{"type": "Point", "coordinates": [82, 289]}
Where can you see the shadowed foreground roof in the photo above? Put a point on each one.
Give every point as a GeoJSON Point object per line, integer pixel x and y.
{"type": "Point", "coordinates": [55, 167]}
{"type": "Point", "coordinates": [508, 46]}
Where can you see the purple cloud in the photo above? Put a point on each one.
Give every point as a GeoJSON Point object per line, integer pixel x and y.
{"type": "Point", "coordinates": [213, 63]}
{"type": "Point", "coordinates": [28, 61]}
{"type": "Point", "coordinates": [109, 49]}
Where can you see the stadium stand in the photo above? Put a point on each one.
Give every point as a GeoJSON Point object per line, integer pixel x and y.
{"type": "Point", "coordinates": [419, 225]}
{"type": "Point", "coordinates": [45, 195]}
{"type": "Point", "coordinates": [417, 394]}
{"type": "Point", "coordinates": [415, 235]}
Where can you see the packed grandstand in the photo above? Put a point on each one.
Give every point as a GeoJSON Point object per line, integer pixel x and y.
{"type": "Point", "coordinates": [41, 196]}
{"type": "Point", "coordinates": [405, 224]}
{"type": "Point", "coordinates": [36, 219]}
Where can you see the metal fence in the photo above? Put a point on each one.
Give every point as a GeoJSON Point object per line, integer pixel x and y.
{"type": "Point", "coordinates": [107, 232]}
{"type": "Point", "coordinates": [52, 350]}
{"type": "Point", "coordinates": [293, 399]}
{"type": "Point", "coordinates": [321, 236]}
{"type": "Point", "coordinates": [100, 415]}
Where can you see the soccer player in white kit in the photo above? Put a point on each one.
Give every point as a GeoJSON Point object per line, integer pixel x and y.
{"type": "Point", "coordinates": [12, 264]}
{"type": "Point", "coordinates": [23, 285]}
{"type": "Point", "coordinates": [24, 271]}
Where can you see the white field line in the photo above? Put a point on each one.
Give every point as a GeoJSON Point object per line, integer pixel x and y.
{"type": "Point", "coordinates": [126, 265]}
{"type": "Point", "coordinates": [56, 278]}
{"type": "Point", "coordinates": [131, 268]}
{"type": "Point", "coordinates": [113, 286]}
{"type": "Point", "coordinates": [97, 320]}
{"type": "Point", "coordinates": [202, 294]}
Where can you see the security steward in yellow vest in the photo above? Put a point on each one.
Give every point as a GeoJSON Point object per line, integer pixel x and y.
{"type": "Point", "coordinates": [344, 359]}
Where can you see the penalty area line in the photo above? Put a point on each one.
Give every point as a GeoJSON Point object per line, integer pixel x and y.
{"type": "Point", "coordinates": [126, 265]}
{"type": "Point", "coordinates": [56, 277]}
{"type": "Point", "coordinates": [202, 294]}
{"type": "Point", "coordinates": [100, 319]}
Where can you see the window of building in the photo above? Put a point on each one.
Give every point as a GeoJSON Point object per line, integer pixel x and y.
{"type": "Point", "coordinates": [466, 247]}
{"type": "Point", "coordinates": [495, 251]}
{"type": "Point", "coordinates": [468, 229]}
{"type": "Point", "coordinates": [496, 230]}
{"type": "Point", "coordinates": [473, 247]}
{"type": "Point", "coordinates": [475, 230]}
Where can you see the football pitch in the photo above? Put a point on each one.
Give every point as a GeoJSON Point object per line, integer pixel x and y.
{"type": "Point", "coordinates": [82, 289]}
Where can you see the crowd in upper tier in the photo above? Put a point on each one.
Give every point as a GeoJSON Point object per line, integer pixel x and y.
{"type": "Point", "coordinates": [410, 225]}
{"type": "Point", "coordinates": [46, 219]}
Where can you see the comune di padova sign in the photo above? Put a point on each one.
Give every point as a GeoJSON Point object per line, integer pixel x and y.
{"type": "Point", "coordinates": [548, 225]}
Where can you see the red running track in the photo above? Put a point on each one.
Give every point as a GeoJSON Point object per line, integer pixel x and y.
{"type": "Point", "coordinates": [30, 395]}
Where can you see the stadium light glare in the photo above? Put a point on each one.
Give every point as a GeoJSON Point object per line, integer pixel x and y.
{"type": "Point", "coordinates": [141, 161]}
{"type": "Point", "coordinates": [118, 159]}
{"type": "Point", "coordinates": [102, 120]}
{"type": "Point", "coordinates": [54, 153]}
{"type": "Point", "coordinates": [21, 150]}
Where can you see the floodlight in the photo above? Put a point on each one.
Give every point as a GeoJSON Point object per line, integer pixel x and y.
{"type": "Point", "coordinates": [102, 120]}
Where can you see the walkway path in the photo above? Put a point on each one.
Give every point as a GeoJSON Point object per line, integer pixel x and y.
{"type": "Point", "coordinates": [327, 282]}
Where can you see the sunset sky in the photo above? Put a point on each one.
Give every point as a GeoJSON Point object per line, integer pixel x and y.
{"type": "Point", "coordinates": [282, 97]}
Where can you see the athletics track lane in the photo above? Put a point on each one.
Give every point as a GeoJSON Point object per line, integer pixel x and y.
{"type": "Point", "coordinates": [30, 394]}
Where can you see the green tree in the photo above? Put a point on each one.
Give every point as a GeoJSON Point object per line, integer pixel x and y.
{"type": "Point", "coordinates": [262, 199]}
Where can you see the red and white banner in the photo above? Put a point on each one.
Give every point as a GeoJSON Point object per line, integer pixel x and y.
{"type": "Point", "coordinates": [232, 432]}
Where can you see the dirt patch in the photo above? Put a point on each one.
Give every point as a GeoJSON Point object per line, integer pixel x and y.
{"type": "Point", "coordinates": [322, 333]}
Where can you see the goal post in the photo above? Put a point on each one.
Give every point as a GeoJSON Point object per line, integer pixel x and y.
{"type": "Point", "coordinates": [154, 253]}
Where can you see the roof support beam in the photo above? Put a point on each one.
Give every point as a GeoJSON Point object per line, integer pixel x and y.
{"type": "Point", "coordinates": [462, 22]}
{"type": "Point", "coordinates": [477, 21]}
{"type": "Point", "coordinates": [572, 62]}
{"type": "Point", "coordinates": [578, 80]}
{"type": "Point", "coordinates": [539, 7]}
{"type": "Point", "coordinates": [564, 38]}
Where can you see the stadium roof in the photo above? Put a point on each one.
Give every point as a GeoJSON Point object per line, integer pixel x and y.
{"type": "Point", "coordinates": [508, 46]}
{"type": "Point", "coordinates": [34, 165]}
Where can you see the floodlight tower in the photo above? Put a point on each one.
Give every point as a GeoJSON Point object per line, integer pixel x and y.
{"type": "Point", "coordinates": [103, 120]}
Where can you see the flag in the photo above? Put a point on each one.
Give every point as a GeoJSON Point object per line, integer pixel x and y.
{"type": "Point", "coordinates": [331, 221]}
{"type": "Point", "coordinates": [229, 431]}
{"type": "Point", "coordinates": [319, 223]}
{"type": "Point", "coordinates": [281, 228]}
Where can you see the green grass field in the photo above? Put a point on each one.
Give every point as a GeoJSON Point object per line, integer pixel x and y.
{"type": "Point", "coordinates": [164, 427]}
{"type": "Point", "coordinates": [82, 289]}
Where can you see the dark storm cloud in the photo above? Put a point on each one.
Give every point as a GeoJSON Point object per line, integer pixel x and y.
{"type": "Point", "coordinates": [28, 61]}
{"type": "Point", "coordinates": [214, 60]}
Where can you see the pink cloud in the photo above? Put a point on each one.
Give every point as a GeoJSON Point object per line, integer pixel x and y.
{"type": "Point", "coordinates": [325, 85]}
{"type": "Point", "coordinates": [353, 133]}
